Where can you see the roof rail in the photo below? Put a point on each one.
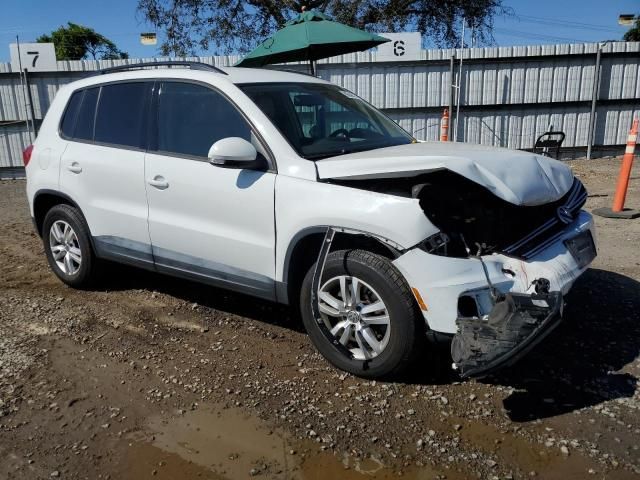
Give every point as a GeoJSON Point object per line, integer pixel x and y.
{"type": "Point", "coordinates": [166, 63]}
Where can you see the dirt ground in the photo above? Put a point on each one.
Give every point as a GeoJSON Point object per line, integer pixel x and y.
{"type": "Point", "coordinates": [153, 377]}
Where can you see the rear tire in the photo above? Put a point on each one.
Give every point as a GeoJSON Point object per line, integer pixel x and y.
{"type": "Point", "coordinates": [398, 342]}
{"type": "Point", "coordinates": [67, 245]}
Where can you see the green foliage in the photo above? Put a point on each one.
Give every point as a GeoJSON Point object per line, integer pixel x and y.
{"type": "Point", "coordinates": [233, 26]}
{"type": "Point", "coordinates": [76, 42]}
{"type": "Point", "coordinates": [633, 35]}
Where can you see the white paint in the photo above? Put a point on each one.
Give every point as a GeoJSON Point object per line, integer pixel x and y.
{"type": "Point", "coordinates": [109, 189]}
{"type": "Point", "coordinates": [230, 217]}
{"type": "Point", "coordinates": [441, 280]}
{"type": "Point", "coordinates": [44, 158]}
{"type": "Point", "coordinates": [220, 215]}
{"type": "Point", "coordinates": [232, 149]}
{"type": "Point", "coordinates": [521, 178]}
{"type": "Point", "coordinates": [304, 204]}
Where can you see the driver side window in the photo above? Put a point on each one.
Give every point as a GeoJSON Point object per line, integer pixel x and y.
{"type": "Point", "coordinates": [192, 117]}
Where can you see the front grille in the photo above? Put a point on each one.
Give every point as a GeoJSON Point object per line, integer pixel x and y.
{"type": "Point", "coordinates": [553, 228]}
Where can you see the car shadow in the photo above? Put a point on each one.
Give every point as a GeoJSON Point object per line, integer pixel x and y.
{"type": "Point", "coordinates": [579, 364]}
{"type": "Point", "coordinates": [121, 277]}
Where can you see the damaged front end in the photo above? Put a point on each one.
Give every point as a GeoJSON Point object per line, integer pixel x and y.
{"type": "Point", "coordinates": [511, 240]}
{"type": "Point", "coordinates": [516, 323]}
{"type": "Point", "coordinates": [521, 259]}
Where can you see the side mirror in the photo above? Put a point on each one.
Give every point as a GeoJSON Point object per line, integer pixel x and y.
{"type": "Point", "coordinates": [233, 152]}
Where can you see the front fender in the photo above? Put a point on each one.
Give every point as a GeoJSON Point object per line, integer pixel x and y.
{"type": "Point", "coordinates": [303, 205]}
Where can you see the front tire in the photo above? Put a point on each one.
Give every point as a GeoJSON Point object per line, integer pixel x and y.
{"type": "Point", "coordinates": [67, 245]}
{"type": "Point", "coordinates": [368, 309]}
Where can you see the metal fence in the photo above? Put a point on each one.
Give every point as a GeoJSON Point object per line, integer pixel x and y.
{"type": "Point", "coordinates": [508, 95]}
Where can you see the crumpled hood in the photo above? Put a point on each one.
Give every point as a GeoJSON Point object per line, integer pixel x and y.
{"type": "Point", "coordinates": [521, 178]}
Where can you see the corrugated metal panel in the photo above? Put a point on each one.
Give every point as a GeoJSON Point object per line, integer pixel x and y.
{"type": "Point", "coordinates": [370, 56]}
{"type": "Point", "coordinates": [399, 86]}
{"type": "Point", "coordinates": [43, 90]}
{"type": "Point", "coordinates": [520, 129]}
{"type": "Point", "coordinates": [508, 81]}
{"type": "Point", "coordinates": [13, 140]}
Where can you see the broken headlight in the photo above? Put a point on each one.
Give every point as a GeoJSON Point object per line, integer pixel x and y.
{"type": "Point", "coordinates": [436, 244]}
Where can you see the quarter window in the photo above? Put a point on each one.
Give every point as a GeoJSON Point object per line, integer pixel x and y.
{"type": "Point", "coordinates": [86, 115]}
{"type": "Point", "coordinates": [191, 118]}
{"type": "Point", "coordinates": [121, 114]}
{"type": "Point", "coordinates": [71, 113]}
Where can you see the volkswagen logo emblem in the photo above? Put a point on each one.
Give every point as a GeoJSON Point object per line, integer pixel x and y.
{"type": "Point", "coordinates": [565, 215]}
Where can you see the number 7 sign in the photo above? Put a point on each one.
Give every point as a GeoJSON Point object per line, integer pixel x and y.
{"type": "Point", "coordinates": [35, 57]}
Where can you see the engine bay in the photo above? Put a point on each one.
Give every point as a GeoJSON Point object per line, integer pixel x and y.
{"type": "Point", "coordinates": [472, 220]}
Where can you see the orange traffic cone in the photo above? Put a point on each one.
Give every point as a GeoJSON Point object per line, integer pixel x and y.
{"type": "Point", "coordinates": [444, 129]}
{"type": "Point", "coordinates": [618, 210]}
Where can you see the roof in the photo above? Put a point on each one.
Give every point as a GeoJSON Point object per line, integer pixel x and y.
{"type": "Point", "coordinates": [233, 75]}
{"type": "Point", "coordinates": [256, 75]}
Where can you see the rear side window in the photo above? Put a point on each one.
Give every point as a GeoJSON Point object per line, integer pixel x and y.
{"type": "Point", "coordinates": [71, 113]}
{"type": "Point", "coordinates": [77, 122]}
{"type": "Point", "coordinates": [120, 119]}
{"type": "Point", "coordinates": [192, 117]}
{"type": "Point", "coordinates": [86, 115]}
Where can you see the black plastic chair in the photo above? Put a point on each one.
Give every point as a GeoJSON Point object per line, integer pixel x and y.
{"type": "Point", "coordinates": [549, 142]}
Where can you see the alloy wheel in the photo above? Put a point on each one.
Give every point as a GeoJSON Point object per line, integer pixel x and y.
{"type": "Point", "coordinates": [65, 247]}
{"type": "Point", "coordinates": [355, 314]}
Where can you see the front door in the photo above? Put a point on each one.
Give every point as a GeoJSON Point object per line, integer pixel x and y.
{"type": "Point", "coordinates": [209, 223]}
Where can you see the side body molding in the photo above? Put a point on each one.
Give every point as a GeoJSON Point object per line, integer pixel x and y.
{"type": "Point", "coordinates": [177, 264]}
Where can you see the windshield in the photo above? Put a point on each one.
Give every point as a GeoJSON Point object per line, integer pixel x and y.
{"type": "Point", "coordinates": [322, 121]}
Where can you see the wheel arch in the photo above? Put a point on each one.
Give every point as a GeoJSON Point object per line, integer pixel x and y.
{"type": "Point", "coordinates": [46, 199]}
{"type": "Point", "coordinates": [304, 248]}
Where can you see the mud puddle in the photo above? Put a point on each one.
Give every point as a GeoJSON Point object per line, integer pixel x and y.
{"type": "Point", "coordinates": [227, 444]}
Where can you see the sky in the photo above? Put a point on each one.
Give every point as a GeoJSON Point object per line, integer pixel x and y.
{"type": "Point", "coordinates": [535, 21]}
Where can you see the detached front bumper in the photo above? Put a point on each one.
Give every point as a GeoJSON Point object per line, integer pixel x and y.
{"type": "Point", "coordinates": [502, 330]}
{"type": "Point", "coordinates": [516, 324]}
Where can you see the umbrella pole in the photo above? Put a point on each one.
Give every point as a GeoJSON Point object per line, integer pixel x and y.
{"type": "Point", "coordinates": [312, 67]}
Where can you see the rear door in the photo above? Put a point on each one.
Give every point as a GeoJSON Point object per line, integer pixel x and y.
{"type": "Point", "coordinates": [209, 223]}
{"type": "Point", "coordinates": [103, 166]}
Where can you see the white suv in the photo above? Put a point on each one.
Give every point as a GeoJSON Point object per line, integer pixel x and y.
{"type": "Point", "coordinates": [289, 188]}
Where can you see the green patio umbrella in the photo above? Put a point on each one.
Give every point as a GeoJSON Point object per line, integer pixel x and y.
{"type": "Point", "coordinates": [311, 36]}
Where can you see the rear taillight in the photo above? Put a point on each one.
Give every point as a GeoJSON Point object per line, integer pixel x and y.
{"type": "Point", "coordinates": [26, 155]}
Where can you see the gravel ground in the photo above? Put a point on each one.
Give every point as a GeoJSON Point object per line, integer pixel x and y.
{"type": "Point", "coordinates": [153, 377]}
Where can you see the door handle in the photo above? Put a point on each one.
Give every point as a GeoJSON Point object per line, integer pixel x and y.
{"type": "Point", "coordinates": [159, 182]}
{"type": "Point", "coordinates": [74, 167]}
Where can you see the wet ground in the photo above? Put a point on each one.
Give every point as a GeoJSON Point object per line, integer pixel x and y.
{"type": "Point", "coordinates": [152, 377]}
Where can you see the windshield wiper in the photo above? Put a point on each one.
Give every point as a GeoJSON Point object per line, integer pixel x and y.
{"type": "Point", "coordinates": [344, 151]}
{"type": "Point", "coordinates": [320, 156]}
